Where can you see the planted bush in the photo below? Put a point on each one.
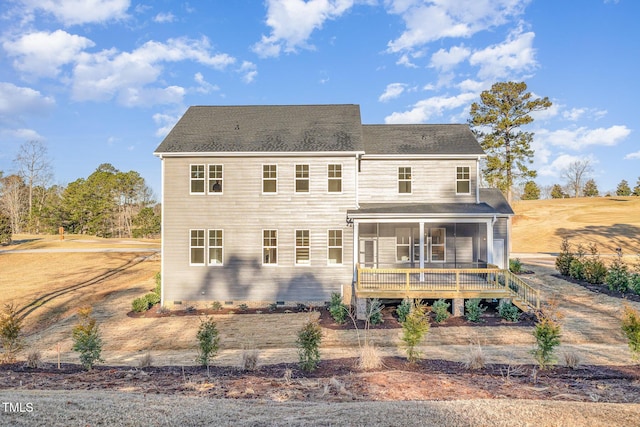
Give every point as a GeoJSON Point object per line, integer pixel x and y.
{"type": "Point", "coordinates": [508, 311]}
{"type": "Point", "coordinates": [595, 271]}
{"type": "Point", "coordinates": [208, 341]}
{"type": "Point", "coordinates": [564, 258]}
{"type": "Point", "coordinates": [576, 267]}
{"type": "Point", "coordinates": [140, 304]}
{"type": "Point", "coordinates": [374, 312]}
{"type": "Point", "coordinates": [474, 309]}
{"type": "Point", "coordinates": [10, 328]}
{"type": "Point", "coordinates": [617, 278]}
{"type": "Point", "coordinates": [547, 333]}
{"type": "Point", "coordinates": [440, 309]}
{"type": "Point", "coordinates": [152, 299]}
{"type": "Point", "coordinates": [515, 265]}
{"type": "Point", "coordinates": [308, 343]}
{"type": "Point", "coordinates": [86, 339]}
{"type": "Point", "coordinates": [338, 309]}
{"type": "Point", "coordinates": [631, 329]}
{"type": "Point", "coordinates": [403, 309]}
{"type": "Point", "coordinates": [414, 329]}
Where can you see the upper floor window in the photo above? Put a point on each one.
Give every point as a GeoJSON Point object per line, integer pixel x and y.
{"type": "Point", "coordinates": [197, 179]}
{"type": "Point", "coordinates": [463, 181]}
{"type": "Point", "coordinates": [269, 178]}
{"type": "Point", "coordinates": [404, 180]}
{"type": "Point", "coordinates": [215, 178]}
{"type": "Point", "coordinates": [302, 178]}
{"type": "Point", "coordinates": [196, 246]}
{"type": "Point", "coordinates": [269, 246]}
{"type": "Point", "coordinates": [334, 246]}
{"type": "Point", "coordinates": [334, 177]}
{"type": "Point", "coordinates": [302, 247]}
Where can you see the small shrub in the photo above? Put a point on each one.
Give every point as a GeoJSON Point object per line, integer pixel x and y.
{"type": "Point", "coordinates": [86, 339]}
{"type": "Point", "coordinates": [634, 282]}
{"type": "Point", "coordinates": [374, 312]}
{"type": "Point", "coordinates": [576, 269]}
{"type": "Point", "coordinates": [414, 328]}
{"type": "Point", "coordinates": [441, 310]}
{"type": "Point", "coordinates": [152, 299]}
{"type": "Point", "coordinates": [403, 309]}
{"type": "Point", "coordinates": [508, 311]}
{"type": "Point", "coordinates": [369, 358]}
{"type": "Point", "coordinates": [216, 306]}
{"type": "Point", "coordinates": [564, 258]}
{"type": "Point", "coordinates": [158, 288]}
{"type": "Point", "coordinates": [571, 359]}
{"type": "Point", "coordinates": [475, 358]}
{"type": "Point", "coordinates": [338, 309]}
{"type": "Point", "coordinates": [34, 360]}
{"type": "Point", "coordinates": [308, 342]}
{"type": "Point", "coordinates": [243, 307]}
{"type": "Point", "coordinates": [474, 309]}
{"type": "Point", "coordinates": [515, 265]}
{"type": "Point", "coordinates": [617, 278]}
{"type": "Point", "coordinates": [272, 307]}
{"type": "Point", "coordinates": [140, 304]}
{"type": "Point", "coordinates": [146, 361]}
{"type": "Point", "coordinates": [547, 333]}
{"type": "Point", "coordinates": [594, 269]}
{"type": "Point", "coordinates": [250, 360]}
{"type": "Point", "coordinates": [631, 329]}
{"type": "Point", "coordinates": [10, 328]}
{"type": "Point", "coordinates": [208, 341]}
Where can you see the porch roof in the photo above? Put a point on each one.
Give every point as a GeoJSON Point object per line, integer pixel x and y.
{"type": "Point", "coordinates": [492, 203]}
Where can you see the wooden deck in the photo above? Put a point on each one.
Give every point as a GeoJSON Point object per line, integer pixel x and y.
{"type": "Point", "coordinates": [428, 283]}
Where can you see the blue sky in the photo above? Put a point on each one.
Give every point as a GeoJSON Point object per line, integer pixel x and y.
{"type": "Point", "coordinates": [104, 80]}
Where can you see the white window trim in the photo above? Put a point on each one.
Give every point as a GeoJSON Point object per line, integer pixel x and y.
{"type": "Point", "coordinates": [263, 179]}
{"type": "Point", "coordinates": [204, 247]}
{"type": "Point", "coordinates": [443, 244]}
{"type": "Point", "coordinates": [330, 264]}
{"type": "Point", "coordinates": [191, 179]}
{"type": "Point", "coordinates": [335, 179]}
{"type": "Point", "coordinates": [295, 178]}
{"type": "Point", "coordinates": [459, 180]}
{"type": "Point", "coordinates": [410, 180]}
{"type": "Point", "coordinates": [407, 245]}
{"type": "Point", "coordinates": [209, 179]}
{"type": "Point", "coordinates": [214, 247]}
{"type": "Point", "coordinates": [295, 248]}
{"type": "Point", "coordinates": [264, 247]}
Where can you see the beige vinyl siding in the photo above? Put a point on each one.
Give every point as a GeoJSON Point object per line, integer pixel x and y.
{"type": "Point", "coordinates": [431, 181]}
{"type": "Point", "coordinates": [242, 212]}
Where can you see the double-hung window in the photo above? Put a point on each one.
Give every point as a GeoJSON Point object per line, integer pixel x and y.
{"type": "Point", "coordinates": [197, 179]}
{"type": "Point", "coordinates": [269, 178]}
{"type": "Point", "coordinates": [196, 246]}
{"type": "Point", "coordinates": [215, 247]}
{"type": "Point", "coordinates": [334, 177]}
{"type": "Point", "coordinates": [463, 180]}
{"type": "Point", "coordinates": [302, 178]}
{"type": "Point", "coordinates": [269, 247]}
{"type": "Point", "coordinates": [438, 239]}
{"type": "Point", "coordinates": [215, 179]}
{"type": "Point", "coordinates": [302, 247]}
{"type": "Point", "coordinates": [404, 180]}
{"type": "Point", "coordinates": [334, 247]}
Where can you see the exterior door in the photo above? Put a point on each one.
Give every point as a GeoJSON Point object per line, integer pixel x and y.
{"type": "Point", "coordinates": [498, 253]}
{"type": "Point", "coordinates": [368, 253]}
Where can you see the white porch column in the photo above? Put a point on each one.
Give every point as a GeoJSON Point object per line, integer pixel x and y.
{"type": "Point", "coordinates": [490, 241]}
{"type": "Point", "coordinates": [356, 252]}
{"type": "Point", "coordinates": [421, 231]}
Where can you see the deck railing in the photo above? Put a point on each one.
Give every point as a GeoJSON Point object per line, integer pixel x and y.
{"type": "Point", "coordinates": [431, 281]}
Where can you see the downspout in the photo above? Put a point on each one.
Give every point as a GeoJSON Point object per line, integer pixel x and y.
{"type": "Point", "coordinates": [162, 239]}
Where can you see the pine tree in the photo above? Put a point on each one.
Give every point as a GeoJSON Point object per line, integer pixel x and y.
{"type": "Point", "coordinates": [623, 189]}
{"type": "Point", "coordinates": [556, 192]}
{"type": "Point", "coordinates": [636, 189]}
{"type": "Point", "coordinates": [590, 189]}
{"type": "Point", "coordinates": [531, 191]}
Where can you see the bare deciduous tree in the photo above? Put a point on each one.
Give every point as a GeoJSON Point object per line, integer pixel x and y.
{"type": "Point", "coordinates": [576, 174]}
{"type": "Point", "coordinates": [34, 167]}
{"type": "Point", "coordinates": [12, 200]}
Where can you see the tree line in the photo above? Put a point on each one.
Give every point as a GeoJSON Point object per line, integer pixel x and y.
{"type": "Point", "coordinates": [108, 203]}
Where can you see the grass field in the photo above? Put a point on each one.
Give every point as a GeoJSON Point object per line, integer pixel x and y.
{"type": "Point", "coordinates": [610, 222]}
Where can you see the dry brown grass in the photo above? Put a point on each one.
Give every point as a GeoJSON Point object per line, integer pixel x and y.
{"type": "Point", "coordinates": [610, 222]}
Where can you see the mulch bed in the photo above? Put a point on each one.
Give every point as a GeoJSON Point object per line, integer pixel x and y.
{"type": "Point", "coordinates": [600, 289]}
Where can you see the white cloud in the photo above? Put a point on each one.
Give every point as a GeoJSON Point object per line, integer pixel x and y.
{"type": "Point", "coordinates": [561, 163]}
{"type": "Point", "coordinates": [163, 18]}
{"type": "Point", "coordinates": [632, 156]}
{"type": "Point", "coordinates": [22, 134]}
{"type": "Point", "coordinates": [42, 54]}
{"type": "Point", "coordinates": [293, 21]}
{"type": "Point", "coordinates": [579, 138]}
{"type": "Point", "coordinates": [430, 107]}
{"type": "Point", "coordinates": [16, 100]}
{"type": "Point", "coordinates": [576, 114]}
{"type": "Point", "coordinates": [249, 71]}
{"type": "Point", "coordinates": [404, 60]}
{"type": "Point", "coordinates": [74, 12]}
{"type": "Point", "coordinates": [444, 60]}
{"type": "Point", "coordinates": [166, 123]}
{"type": "Point", "coordinates": [392, 91]}
{"type": "Point", "coordinates": [427, 21]}
{"type": "Point", "coordinates": [203, 85]}
{"type": "Point", "coordinates": [514, 55]}
{"type": "Point", "coordinates": [124, 75]}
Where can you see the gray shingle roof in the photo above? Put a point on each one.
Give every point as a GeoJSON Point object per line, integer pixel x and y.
{"type": "Point", "coordinates": [492, 202]}
{"type": "Point", "coordinates": [266, 128]}
{"type": "Point", "coordinates": [447, 139]}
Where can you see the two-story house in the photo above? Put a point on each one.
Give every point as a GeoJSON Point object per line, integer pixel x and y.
{"type": "Point", "coordinates": [291, 203]}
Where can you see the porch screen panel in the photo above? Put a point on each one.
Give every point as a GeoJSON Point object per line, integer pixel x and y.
{"type": "Point", "coordinates": [403, 245]}
{"type": "Point", "coordinates": [438, 238]}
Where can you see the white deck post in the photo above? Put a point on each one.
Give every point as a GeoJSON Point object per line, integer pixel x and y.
{"type": "Point", "coordinates": [421, 250]}
{"type": "Point", "coordinates": [489, 242]}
